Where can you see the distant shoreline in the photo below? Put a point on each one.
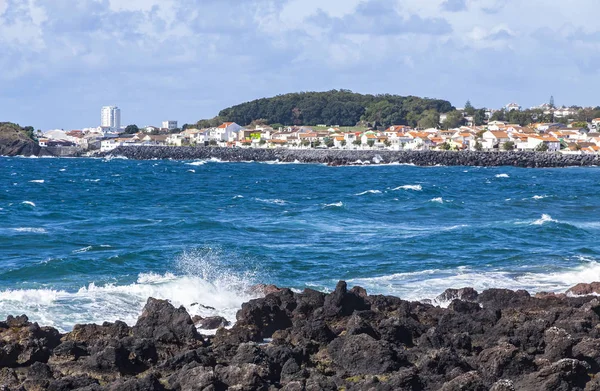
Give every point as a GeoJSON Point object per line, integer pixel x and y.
{"type": "Point", "coordinates": [359, 157]}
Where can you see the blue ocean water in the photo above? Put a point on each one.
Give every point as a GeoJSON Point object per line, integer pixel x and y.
{"type": "Point", "coordinates": [89, 240]}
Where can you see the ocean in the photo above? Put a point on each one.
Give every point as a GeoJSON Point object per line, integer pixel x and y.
{"type": "Point", "coordinates": [89, 240]}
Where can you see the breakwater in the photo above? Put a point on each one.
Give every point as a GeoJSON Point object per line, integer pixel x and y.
{"type": "Point", "coordinates": [354, 157]}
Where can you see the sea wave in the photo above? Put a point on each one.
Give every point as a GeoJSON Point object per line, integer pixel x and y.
{"type": "Point", "coordinates": [37, 181]}
{"type": "Point", "coordinates": [428, 284]}
{"type": "Point", "coordinates": [544, 219]}
{"type": "Point", "coordinates": [201, 284]}
{"type": "Point", "coordinates": [272, 201]}
{"type": "Point", "coordinates": [502, 176]}
{"type": "Point", "coordinates": [30, 203]}
{"type": "Point", "coordinates": [334, 205]}
{"type": "Point", "coordinates": [438, 200]}
{"type": "Point", "coordinates": [369, 192]}
{"type": "Point", "coordinates": [409, 187]}
{"type": "Point", "coordinates": [30, 230]}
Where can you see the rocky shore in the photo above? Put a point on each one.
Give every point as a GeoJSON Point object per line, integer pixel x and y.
{"type": "Point", "coordinates": [497, 340]}
{"type": "Point", "coordinates": [354, 157]}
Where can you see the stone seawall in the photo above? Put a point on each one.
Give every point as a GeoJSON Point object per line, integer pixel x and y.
{"type": "Point", "coordinates": [347, 157]}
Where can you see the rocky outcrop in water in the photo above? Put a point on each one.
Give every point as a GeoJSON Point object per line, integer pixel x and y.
{"type": "Point", "coordinates": [498, 340]}
{"type": "Point", "coordinates": [14, 141]}
{"type": "Point", "coordinates": [347, 157]}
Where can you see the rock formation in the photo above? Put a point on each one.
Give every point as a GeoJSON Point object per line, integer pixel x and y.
{"type": "Point", "coordinates": [14, 141]}
{"type": "Point", "coordinates": [498, 340]}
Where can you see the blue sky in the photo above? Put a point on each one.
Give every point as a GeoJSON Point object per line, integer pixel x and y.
{"type": "Point", "coordinates": [187, 59]}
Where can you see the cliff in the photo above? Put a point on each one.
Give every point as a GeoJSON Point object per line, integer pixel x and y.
{"type": "Point", "coordinates": [349, 157]}
{"type": "Point", "coordinates": [14, 141]}
{"type": "Point", "coordinates": [497, 340]}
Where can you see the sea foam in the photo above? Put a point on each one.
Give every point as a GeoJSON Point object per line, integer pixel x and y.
{"type": "Point", "coordinates": [369, 192]}
{"type": "Point", "coordinates": [409, 187]}
{"type": "Point", "coordinates": [201, 284]}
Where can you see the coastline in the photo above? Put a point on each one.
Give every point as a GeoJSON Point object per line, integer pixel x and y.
{"type": "Point", "coordinates": [358, 157]}
{"type": "Point", "coordinates": [494, 340]}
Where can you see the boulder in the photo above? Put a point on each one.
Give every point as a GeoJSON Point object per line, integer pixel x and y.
{"type": "Point", "coordinates": [164, 323]}
{"type": "Point", "coordinates": [363, 355]}
{"type": "Point", "coordinates": [584, 289]}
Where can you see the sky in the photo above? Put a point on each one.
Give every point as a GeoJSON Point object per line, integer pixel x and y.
{"type": "Point", "coordinates": [62, 60]}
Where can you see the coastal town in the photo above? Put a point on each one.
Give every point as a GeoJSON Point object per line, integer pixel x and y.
{"type": "Point", "coordinates": [493, 135]}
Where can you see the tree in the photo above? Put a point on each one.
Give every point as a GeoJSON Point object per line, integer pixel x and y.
{"type": "Point", "coordinates": [371, 143]}
{"type": "Point", "coordinates": [429, 119]}
{"type": "Point", "coordinates": [542, 147]}
{"type": "Point", "coordinates": [357, 142]}
{"type": "Point", "coordinates": [478, 146]}
{"type": "Point", "coordinates": [328, 142]}
{"type": "Point", "coordinates": [454, 119]}
{"type": "Point", "coordinates": [212, 142]}
{"type": "Point", "coordinates": [479, 117]}
{"type": "Point", "coordinates": [343, 143]}
{"type": "Point", "coordinates": [498, 116]}
{"type": "Point", "coordinates": [316, 143]}
{"type": "Point", "coordinates": [387, 143]}
{"type": "Point", "coordinates": [305, 143]}
{"type": "Point", "coordinates": [508, 146]}
{"type": "Point", "coordinates": [469, 109]}
{"type": "Point", "coordinates": [131, 129]}
{"type": "Point", "coordinates": [446, 146]}
{"type": "Point", "coordinates": [552, 101]}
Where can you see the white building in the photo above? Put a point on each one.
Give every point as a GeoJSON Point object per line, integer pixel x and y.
{"type": "Point", "coordinates": [171, 125]}
{"type": "Point", "coordinates": [111, 117]}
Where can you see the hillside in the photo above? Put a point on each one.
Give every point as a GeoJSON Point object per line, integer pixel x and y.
{"type": "Point", "coordinates": [15, 140]}
{"type": "Point", "coordinates": [342, 108]}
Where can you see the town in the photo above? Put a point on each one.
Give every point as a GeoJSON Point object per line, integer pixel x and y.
{"type": "Point", "coordinates": [568, 137]}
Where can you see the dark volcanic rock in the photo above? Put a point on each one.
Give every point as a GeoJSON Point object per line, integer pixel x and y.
{"type": "Point", "coordinates": [498, 340]}
{"type": "Point", "coordinates": [164, 323]}
{"type": "Point", "coordinates": [585, 289]}
{"type": "Point", "coordinates": [210, 323]}
{"type": "Point", "coordinates": [349, 157]}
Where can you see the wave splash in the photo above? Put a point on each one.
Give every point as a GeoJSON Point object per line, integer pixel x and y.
{"type": "Point", "coordinates": [428, 284]}
{"type": "Point", "coordinates": [544, 219]}
{"type": "Point", "coordinates": [201, 284]}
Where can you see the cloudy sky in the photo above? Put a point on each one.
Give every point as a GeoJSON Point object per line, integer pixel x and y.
{"type": "Point", "coordinates": [187, 59]}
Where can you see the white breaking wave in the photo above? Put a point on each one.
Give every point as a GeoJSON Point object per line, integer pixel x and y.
{"type": "Point", "coordinates": [502, 176]}
{"type": "Point", "coordinates": [438, 200]}
{"type": "Point", "coordinates": [275, 201]}
{"type": "Point", "coordinates": [409, 187]}
{"type": "Point", "coordinates": [30, 230]}
{"type": "Point", "coordinates": [369, 192]}
{"type": "Point", "coordinates": [62, 170]}
{"type": "Point", "coordinates": [37, 181]}
{"type": "Point", "coordinates": [198, 163]}
{"type": "Point", "coordinates": [28, 203]}
{"type": "Point", "coordinates": [202, 286]}
{"type": "Point", "coordinates": [429, 284]}
{"type": "Point", "coordinates": [544, 219]}
{"type": "Point", "coordinates": [83, 250]}
{"type": "Point", "coordinates": [238, 197]}
{"type": "Point", "coordinates": [334, 205]}
{"type": "Point", "coordinates": [92, 180]}
{"type": "Point", "coordinates": [192, 171]}
{"type": "Point", "coordinates": [537, 197]}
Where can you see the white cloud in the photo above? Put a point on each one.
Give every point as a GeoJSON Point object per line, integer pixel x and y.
{"type": "Point", "coordinates": [196, 56]}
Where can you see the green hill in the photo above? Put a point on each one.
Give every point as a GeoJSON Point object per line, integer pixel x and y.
{"type": "Point", "coordinates": [342, 108]}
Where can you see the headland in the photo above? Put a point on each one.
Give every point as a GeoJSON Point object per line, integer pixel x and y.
{"type": "Point", "coordinates": [497, 340]}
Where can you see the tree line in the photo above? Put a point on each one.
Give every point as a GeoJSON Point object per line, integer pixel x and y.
{"type": "Point", "coordinates": [336, 107]}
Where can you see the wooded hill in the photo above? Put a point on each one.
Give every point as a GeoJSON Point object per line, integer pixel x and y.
{"type": "Point", "coordinates": [343, 108]}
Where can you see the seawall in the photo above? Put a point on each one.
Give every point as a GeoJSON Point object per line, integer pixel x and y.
{"type": "Point", "coordinates": [352, 157]}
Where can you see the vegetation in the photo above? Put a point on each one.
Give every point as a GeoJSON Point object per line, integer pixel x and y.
{"type": "Point", "coordinates": [131, 129]}
{"type": "Point", "coordinates": [543, 147]}
{"type": "Point", "coordinates": [9, 127]}
{"type": "Point", "coordinates": [335, 108]}
{"type": "Point", "coordinates": [508, 146]}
